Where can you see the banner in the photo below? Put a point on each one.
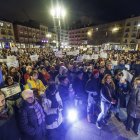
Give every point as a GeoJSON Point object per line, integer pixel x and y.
{"type": "Point", "coordinates": [34, 57]}
{"type": "Point", "coordinates": [11, 90]}
{"type": "Point", "coordinates": [73, 53]}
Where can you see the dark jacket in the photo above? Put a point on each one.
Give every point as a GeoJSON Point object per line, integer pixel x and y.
{"type": "Point", "coordinates": [29, 124]}
{"type": "Point", "coordinates": [107, 93]}
{"type": "Point", "coordinates": [8, 126]}
{"type": "Point", "coordinates": [133, 107]}
{"type": "Point", "coordinates": [93, 85]}
{"type": "Point", "coordinates": [78, 86]}
{"type": "Point", "coordinates": [63, 92]}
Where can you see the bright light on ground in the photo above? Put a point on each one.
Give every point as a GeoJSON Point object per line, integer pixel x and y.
{"type": "Point", "coordinates": [72, 115]}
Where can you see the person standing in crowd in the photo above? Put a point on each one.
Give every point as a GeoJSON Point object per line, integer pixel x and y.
{"type": "Point", "coordinates": [44, 76]}
{"type": "Point", "coordinates": [121, 65]}
{"type": "Point", "coordinates": [53, 73]}
{"type": "Point", "coordinates": [31, 118]}
{"type": "Point", "coordinates": [109, 69]}
{"type": "Point", "coordinates": [122, 92]}
{"type": "Point", "coordinates": [108, 99]}
{"type": "Point", "coordinates": [34, 83]}
{"type": "Point", "coordinates": [133, 108]}
{"type": "Point", "coordinates": [15, 74]}
{"type": "Point", "coordinates": [93, 89]}
{"type": "Point", "coordinates": [27, 74]}
{"type": "Point", "coordinates": [52, 106]}
{"type": "Point", "coordinates": [8, 125]}
{"type": "Point", "coordinates": [62, 71]}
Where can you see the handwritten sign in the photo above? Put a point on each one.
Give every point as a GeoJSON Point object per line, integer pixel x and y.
{"type": "Point", "coordinates": [95, 56]}
{"type": "Point", "coordinates": [103, 55]}
{"type": "Point", "coordinates": [34, 57]}
{"type": "Point", "coordinates": [3, 60]}
{"type": "Point", "coordinates": [59, 54]}
{"type": "Point", "coordinates": [11, 90]}
{"type": "Point", "coordinates": [11, 58]}
{"type": "Point", "coordinates": [13, 64]}
{"type": "Point", "coordinates": [14, 49]}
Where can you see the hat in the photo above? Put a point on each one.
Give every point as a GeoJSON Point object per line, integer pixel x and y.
{"type": "Point", "coordinates": [27, 94]}
{"type": "Point", "coordinates": [95, 71]}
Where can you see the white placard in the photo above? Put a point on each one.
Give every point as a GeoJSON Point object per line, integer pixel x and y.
{"type": "Point", "coordinates": [34, 57]}
{"type": "Point", "coordinates": [103, 55]}
{"type": "Point", "coordinates": [80, 58]}
{"type": "Point", "coordinates": [11, 59]}
{"type": "Point", "coordinates": [115, 63]}
{"type": "Point", "coordinates": [11, 90]}
{"type": "Point", "coordinates": [127, 67]}
{"type": "Point", "coordinates": [14, 49]}
{"type": "Point", "coordinates": [3, 60]}
{"type": "Point", "coordinates": [96, 49]}
{"type": "Point", "coordinates": [128, 76]}
{"type": "Point", "coordinates": [95, 56]}
{"type": "Point", "coordinates": [59, 54]}
{"type": "Point", "coordinates": [13, 64]}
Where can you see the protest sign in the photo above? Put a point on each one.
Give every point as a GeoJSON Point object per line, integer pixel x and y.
{"type": "Point", "coordinates": [11, 90]}
{"type": "Point", "coordinates": [14, 49]}
{"type": "Point", "coordinates": [13, 64]}
{"type": "Point", "coordinates": [59, 54]}
{"type": "Point", "coordinates": [128, 76]}
{"type": "Point", "coordinates": [103, 55]}
{"type": "Point", "coordinates": [11, 59]}
{"type": "Point", "coordinates": [95, 56]}
{"type": "Point", "coordinates": [3, 60]}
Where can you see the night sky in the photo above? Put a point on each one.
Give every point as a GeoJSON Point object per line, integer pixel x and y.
{"type": "Point", "coordinates": [88, 11]}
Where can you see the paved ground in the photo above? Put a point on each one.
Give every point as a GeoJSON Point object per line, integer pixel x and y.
{"type": "Point", "coordinates": [114, 131]}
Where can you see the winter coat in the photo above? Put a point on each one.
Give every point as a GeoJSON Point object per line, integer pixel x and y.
{"type": "Point", "coordinates": [8, 126]}
{"type": "Point", "coordinates": [107, 93]}
{"type": "Point", "coordinates": [28, 122]}
{"type": "Point", "coordinates": [78, 86]}
{"type": "Point", "coordinates": [133, 107]}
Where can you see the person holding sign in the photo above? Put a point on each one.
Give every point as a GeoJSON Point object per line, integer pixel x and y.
{"type": "Point", "coordinates": [34, 83]}
{"type": "Point", "coordinates": [8, 124]}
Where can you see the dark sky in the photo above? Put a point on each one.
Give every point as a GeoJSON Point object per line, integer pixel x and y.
{"type": "Point", "coordinates": [94, 11]}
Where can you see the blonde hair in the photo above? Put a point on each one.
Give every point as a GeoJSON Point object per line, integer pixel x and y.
{"type": "Point", "coordinates": [105, 79]}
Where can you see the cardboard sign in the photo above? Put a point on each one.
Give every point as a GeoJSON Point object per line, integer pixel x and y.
{"type": "Point", "coordinates": [34, 57]}
{"type": "Point", "coordinates": [13, 64]}
{"type": "Point", "coordinates": [73, 53]}
{"type": "Point", "coordinates": [11, 59]}
{"type": "Point", "coordinates": [11, 90]}
{"type": "Point", "coordinates": [103, 55]}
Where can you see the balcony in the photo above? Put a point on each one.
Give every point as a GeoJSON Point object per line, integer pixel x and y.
{"type": "Point", "coordinates": [127, 30]}
{"type": "Point", "coordinates": [128, 24]}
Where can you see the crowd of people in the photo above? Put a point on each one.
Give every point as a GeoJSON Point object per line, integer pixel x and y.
{"type": "Point", "coordinates": [97, 88]}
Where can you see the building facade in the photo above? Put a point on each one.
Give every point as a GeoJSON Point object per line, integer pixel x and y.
{"type": "Point", "coordinates": [131, 34]}
{"type": "Point", "coordinates": [6, 31]}
{"type": "Point", "coordinates": [28, 35]}
{"type": "Point", "coordinates": [64, 37]}
{"type": "Point", "coordinates": [80, 36]}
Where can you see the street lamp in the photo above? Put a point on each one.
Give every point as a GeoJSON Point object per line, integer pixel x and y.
{"type": "Point", "coordinates": [58, 13]}
{"type": "Point", "coordinates": [115, 29]}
